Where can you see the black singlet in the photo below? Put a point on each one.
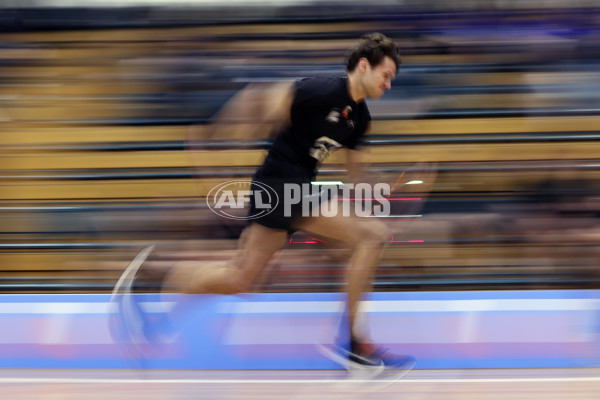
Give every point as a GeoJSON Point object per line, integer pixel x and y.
{"type": "Point", "coordinates": [324, 118]}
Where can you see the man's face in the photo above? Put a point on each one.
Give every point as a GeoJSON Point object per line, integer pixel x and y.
{"type": "Point", "coordinates": [379, 79]}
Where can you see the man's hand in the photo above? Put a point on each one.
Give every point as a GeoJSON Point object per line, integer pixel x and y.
{"type": "Point", "coordinates": [418, 179]}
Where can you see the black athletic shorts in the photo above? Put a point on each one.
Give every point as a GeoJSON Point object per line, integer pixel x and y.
{"type": "Point", "coordinates": [269, 201]}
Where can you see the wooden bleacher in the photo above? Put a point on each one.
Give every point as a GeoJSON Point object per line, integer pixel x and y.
{"type": "Point", "coordinates": [86, 163]}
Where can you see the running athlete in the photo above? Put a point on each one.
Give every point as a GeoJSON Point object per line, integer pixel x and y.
{"type": "Point", "coordinates": [315, 116]}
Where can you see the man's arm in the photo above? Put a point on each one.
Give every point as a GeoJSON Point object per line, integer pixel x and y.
{"type": "Point", "coordinates": [354, 166]}
{"type": "Point", "coordinates": [257, 111]}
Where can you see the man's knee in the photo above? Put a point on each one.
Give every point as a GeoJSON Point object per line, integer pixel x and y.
{"type": "Point", "coordinates": [216, 278]}
{"type": "Point", "coordinates": [377, 233]}
{"type": "Point", "coordinates": [227, 280]}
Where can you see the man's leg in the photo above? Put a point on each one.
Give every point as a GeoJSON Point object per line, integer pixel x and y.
{"type": "Point", "coordinates": [134, 331]}
{"type": "Point", "coordinates": [367, 238]}
{"type": "Point", "coordinates": [257, 245]}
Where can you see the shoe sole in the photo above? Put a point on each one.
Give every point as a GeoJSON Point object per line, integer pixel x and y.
{"type": "Point", "coordinates": [125, 282]}
{"type": "Point", "coordinates": [351, 366]}
{"type": "Point", "coordinates": [120, 304]}
{"type": "Point", "coordinates": [377, 377]}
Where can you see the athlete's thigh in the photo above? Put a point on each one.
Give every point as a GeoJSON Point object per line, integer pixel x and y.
{"type": "Point", "coordinates": [352, 230]}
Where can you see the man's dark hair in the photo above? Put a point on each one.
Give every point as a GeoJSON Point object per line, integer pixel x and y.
{"type": "Point", "coordinates": [374, 47]}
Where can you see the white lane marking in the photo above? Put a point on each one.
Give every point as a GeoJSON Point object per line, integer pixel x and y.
{"type": "Point", "coordinates": [288, 381]}
{"type": "Point", "coordinates": [290, 307]}
{"type": "Point", "coordinates": [482, 305]}
{"type": "Point", "coordinates": [269, 307]}
{"type": "Point", "coordinates": [62, 308]}
{"type": "Point", "coordinates": [411, 306]}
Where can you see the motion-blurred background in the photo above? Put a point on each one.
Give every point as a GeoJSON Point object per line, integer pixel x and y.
{"type": "Point", "coordinates": [96, 104]}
